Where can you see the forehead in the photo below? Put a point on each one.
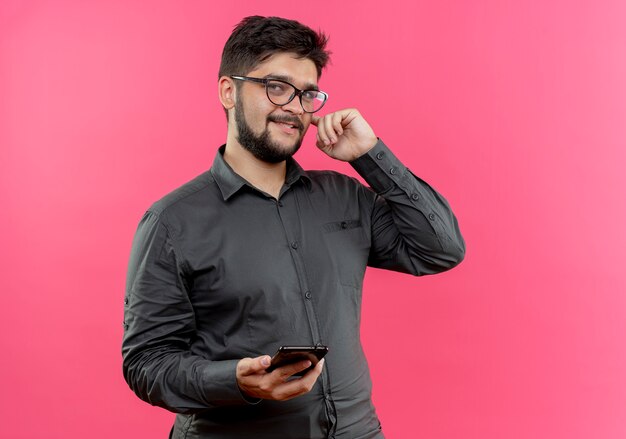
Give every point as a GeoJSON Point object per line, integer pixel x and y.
{"type": "Point", "coordinates": [287, 66]}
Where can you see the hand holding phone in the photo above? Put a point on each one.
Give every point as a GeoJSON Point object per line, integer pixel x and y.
{"type": "Point", "coordinates": [293, 354]}
{"type": "Point", "coordinates": [255, 382]}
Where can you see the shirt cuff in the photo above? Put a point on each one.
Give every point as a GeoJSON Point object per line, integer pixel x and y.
{"type": "Point", "coordinates": [380, 168]}
{"type": "Point", "coordinates": [220, 382]}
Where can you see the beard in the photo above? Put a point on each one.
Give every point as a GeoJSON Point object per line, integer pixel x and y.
{"type": "Point", "coordinates": [262, 146]}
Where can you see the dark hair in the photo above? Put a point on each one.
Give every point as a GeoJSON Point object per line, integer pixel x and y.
{"type": "Point", "coordinates": [257, 38]}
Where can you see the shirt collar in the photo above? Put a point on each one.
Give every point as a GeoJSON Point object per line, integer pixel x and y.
{"type": "Point", "coordinates": [230, 182]}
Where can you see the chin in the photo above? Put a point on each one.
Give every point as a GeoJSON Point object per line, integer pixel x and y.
{"type": "Point", "coordinates": [289, 148]}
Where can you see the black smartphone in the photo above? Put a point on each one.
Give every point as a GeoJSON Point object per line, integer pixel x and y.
{"type": "Point", "coordinates": [292, 354]}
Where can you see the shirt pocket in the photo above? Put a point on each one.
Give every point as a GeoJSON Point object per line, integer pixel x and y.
{"type": "Point", "coordinates": [337, 226]}
{"type": "Point", "coordinates": [348, 249]}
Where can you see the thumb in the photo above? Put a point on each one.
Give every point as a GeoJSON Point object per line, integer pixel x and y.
{"type": "Point", "coordinates": [250, 366]}
{"type": "Point", "coordinates": [315, 119]}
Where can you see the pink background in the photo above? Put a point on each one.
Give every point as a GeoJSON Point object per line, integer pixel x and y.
{"type": "Point", "coordinates": [514, 110]}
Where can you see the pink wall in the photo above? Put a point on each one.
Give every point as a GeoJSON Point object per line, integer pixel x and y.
{"type": "Point", "coordinates": [515, 110]}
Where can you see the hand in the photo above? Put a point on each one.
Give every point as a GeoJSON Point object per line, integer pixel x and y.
{"type": "Point", "coordinates": [344, 134]}
{"type": "Point", "coordinates": [255, 382]}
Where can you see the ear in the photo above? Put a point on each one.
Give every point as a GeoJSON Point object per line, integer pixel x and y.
{"type": "Point", "coordinates": [226, 92]}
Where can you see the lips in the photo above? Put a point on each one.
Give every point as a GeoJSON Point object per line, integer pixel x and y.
{"type": "Point", "coordinates": [286, 128]}
{"type": "Point", "coordinates": [288, 125]}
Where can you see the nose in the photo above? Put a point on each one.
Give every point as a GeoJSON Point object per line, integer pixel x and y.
{"type": "Point", "coordinates": [294, 106]}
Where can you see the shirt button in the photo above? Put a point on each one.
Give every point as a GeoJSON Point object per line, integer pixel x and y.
{"type": "Point", "coordinates": [125, 300]}
{"type": "Point", "coordinates": [294, 245]}
{"type": "Point", "coordinates": [308, 295]}
{"type": "Point", "coordinates": [415, 197]}
{"type": "Point", "coordinates": [431, 216]}
{"type": "Point", "coordinates": [344, 225]}
{"type": "Point", "coordinates": [327, 396]}
{"type": "Point", "coordinates": [392, 171]}
{"type": "Point", "coordinates": [280, 204]}
{"type": "Point", "coordinates": [380, 155]}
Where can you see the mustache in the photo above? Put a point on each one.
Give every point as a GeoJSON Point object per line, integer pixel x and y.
{"type": "Point", "coordinates": [286, 119]}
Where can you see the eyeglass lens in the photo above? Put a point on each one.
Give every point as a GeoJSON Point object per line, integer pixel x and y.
{"type": "Point", "coordinates": [280, 93]}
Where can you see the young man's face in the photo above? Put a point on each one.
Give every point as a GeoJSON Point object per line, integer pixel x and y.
{"type": "Point", "coordinates": [271, 132]}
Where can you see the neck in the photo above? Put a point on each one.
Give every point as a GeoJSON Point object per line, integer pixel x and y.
{"type": "Point", "coordinates": [267, 177]}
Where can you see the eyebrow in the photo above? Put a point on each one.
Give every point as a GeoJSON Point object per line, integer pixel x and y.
{"type": "Point", "coordinates": [307, 86]}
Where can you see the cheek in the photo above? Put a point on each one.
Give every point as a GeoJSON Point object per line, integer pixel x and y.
{"type": "Point", "coordinates": [256, 119]}
{"type": "Point", "coordinates": [260, 113]}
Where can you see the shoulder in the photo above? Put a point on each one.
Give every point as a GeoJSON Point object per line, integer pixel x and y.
{"type": "Point", "coordinates": [326, 179]}
{"type": "Point", "coordinates": [339, 186]}
{"type": "Point", "coordinates": [190, 194]}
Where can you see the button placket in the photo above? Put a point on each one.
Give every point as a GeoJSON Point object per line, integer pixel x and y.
{"type": "Point", "coordinates": [289, 217]}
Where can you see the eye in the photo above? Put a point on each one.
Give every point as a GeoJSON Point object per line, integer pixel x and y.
{"type": "Point", "coordinates": [275, 87]}
{"type": "Point", "coordinates": [309, 95]}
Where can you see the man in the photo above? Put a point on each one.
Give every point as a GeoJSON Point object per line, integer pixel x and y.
{"type": "Point", "coordinates": [257, 253]}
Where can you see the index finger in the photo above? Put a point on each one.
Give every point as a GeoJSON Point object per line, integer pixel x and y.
{"type": "Point", "coordinates": [309, 378]}
{"type": "Point", "coordinates": [286, 371]}
{"type": "Point", "coordinates": [299, 386]}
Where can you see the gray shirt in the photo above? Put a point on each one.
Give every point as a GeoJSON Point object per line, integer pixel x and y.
{"type": "Point", "coordinates": [220, 271]}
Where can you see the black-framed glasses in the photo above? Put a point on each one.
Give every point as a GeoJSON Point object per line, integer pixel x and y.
{"type": "Point", "coordinates": [281, 92]}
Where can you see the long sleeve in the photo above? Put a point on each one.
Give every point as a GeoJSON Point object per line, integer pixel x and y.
{"type": "Point", "coordinates": [413, 227]}
{"type": "Point", "coordinates": [159, 325]}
